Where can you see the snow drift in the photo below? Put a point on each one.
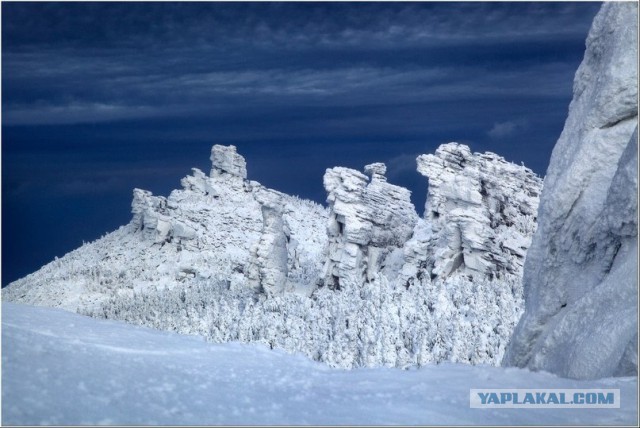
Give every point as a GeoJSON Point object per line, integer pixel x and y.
{"type": "Point", "coordinates": [64, 369]}
{"type": "Point", "coordinates": [580, 275]}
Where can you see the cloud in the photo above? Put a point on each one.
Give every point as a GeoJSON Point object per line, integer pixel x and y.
{"type": "Point", "coordinates": [90, 187]}
{"type": "Point", "coordinates": [506, 129]}
{"type": "Point", "coordinates": [402, 164]}
{"type": "Point", "coordinates": [99, 92]}
{"type": "Point", "coordinates": [290, 26]}
{"type": "Point", "coordinates": [77, 113]}
{"type": "Point", "coordinates": [183, 60]}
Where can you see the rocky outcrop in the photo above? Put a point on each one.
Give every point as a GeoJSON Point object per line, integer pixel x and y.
{"type": "Point", "coordinates": [368, 218]}
{"type": "Point", "coordinates": [198, 182]}
{"type": "Point", "coordinates": [159, 218]}
{"type": "Point", "coordinates": [580, 275]}
{"type": "Point", "coordinates": [225, 160]}
{"type": "Point", "coordinates": [482, 212]}
{"type": "Point", "coordinates": [230, 259]}
{"type": "Point", "coordinates": [151, 217]}
{"type": "Point", "coordinates": [148, 215]}
{"type": "Point", "coordinates": [270, 266]}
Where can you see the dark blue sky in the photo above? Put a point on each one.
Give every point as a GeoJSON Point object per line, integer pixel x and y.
{"type": "Point", "coordinates": [99, 98]}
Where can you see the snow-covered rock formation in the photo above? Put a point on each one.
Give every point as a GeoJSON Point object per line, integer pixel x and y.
{"type": "Point", "coordinates": [204, 231]}
{"type": "Point", "coordinates": [351, 285]}
{"type": "Point", "coordinates": [367, 220]}
{"type": "Point", "coordinates": [226, 161]}
{"type": "Point", "coordinates": [481, 209]}
{"type": "Point", "coordinates": [270, 256]}
{"type": "Point", "coordinates": [151, 216]}
{"type": "Point", "coordinates": [580, 274]}
{"type": "Point", "coordinates": [229, 259]}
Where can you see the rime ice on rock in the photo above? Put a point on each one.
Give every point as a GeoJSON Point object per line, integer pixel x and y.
{"type": "Point", "coordinates": [228, 258]}
{"type": "Point", "coordinates": [198, 182]}
{"type": "Point", "coordinates": [225, 160]}
{"type": "Point", "coordinates": [149, 215]}
{"type": "Point", "coordinates": [156, 217]}
{"type": "Point", "coordinates": [367, 220]}
{"type": "Point", "coordinates": [269, 267]}
{"type": "Point", "coordinates": [580, 276]}
{"type": "Point", "coordinates": [481, 209]}
{"type": "Point", "coordinates": [376, 171]}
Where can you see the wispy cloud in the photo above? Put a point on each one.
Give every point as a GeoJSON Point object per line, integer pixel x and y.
{"type": "Point", "coordinates": [94, 62]}
{"type": "Point", "coordinates": [509, 128]}
{"type": "Point", "coordinates": [402, 164]}
{"type": "Point", "coordinates": [291, 26]}
{"type": "Point", "coordinates": [147, 93]}
{"type": "Point", "coordinates": [77, 113]}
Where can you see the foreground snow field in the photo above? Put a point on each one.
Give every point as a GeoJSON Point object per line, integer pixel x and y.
{"type": "Point", "coordinates": [63, 368]}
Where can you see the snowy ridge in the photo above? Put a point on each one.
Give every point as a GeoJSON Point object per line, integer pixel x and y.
{"type": "Point", "coordinates": [353, 285]}
{"type": "Point", "coordinates": [204, 231]}
{"type": "Point", "coordinates": [580, 275]}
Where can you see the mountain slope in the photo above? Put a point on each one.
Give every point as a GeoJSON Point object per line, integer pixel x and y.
{"type": "Point", "coordinates": [356, 284]}
{"type": "Point", "coordinates": [205, 230]}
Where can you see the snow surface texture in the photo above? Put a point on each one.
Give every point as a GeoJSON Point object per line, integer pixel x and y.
{"type": "Point", "coordinates": [60, 368]}
{"type": "Point", "coordinates": [580, 276]}
{"type": "Point", "coordinates": [353, 285]}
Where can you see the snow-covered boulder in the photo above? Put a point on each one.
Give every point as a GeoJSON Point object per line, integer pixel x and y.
{"type": "Point", "coordinates": [580, 275]}
{"type": "Point", "coordinates": [198, 182]}
{"type": "Point", "coordinates": [368, 218]}
{"type": "Point", "coordinates": [481, 209]}
{"type": "Point", "coordinates": [376, 170]}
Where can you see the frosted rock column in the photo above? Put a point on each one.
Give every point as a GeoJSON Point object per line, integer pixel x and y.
{"type": "Point", "coordinates": [482, 211]}
{"type": "Point", "coordinates": [269, 268]}
{"type": "Point", "coordinates": [580, 275]}
{"type": "Point", "coordinates": [225, 160]}
{"type": "Point", "coordinates": [367, 220]}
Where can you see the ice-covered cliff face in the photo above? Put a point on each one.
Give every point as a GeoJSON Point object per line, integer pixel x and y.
{"type": "Point", "coordinates": [273, 253]}
{"type": "Point", "coordinates": [367, 221]}
{"type": "Point", "coordinates": [580, 275]}
{"type": "Point", "coordinates": [352, 285]}
{"type": "Point", "coordinates": [481, 209]}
